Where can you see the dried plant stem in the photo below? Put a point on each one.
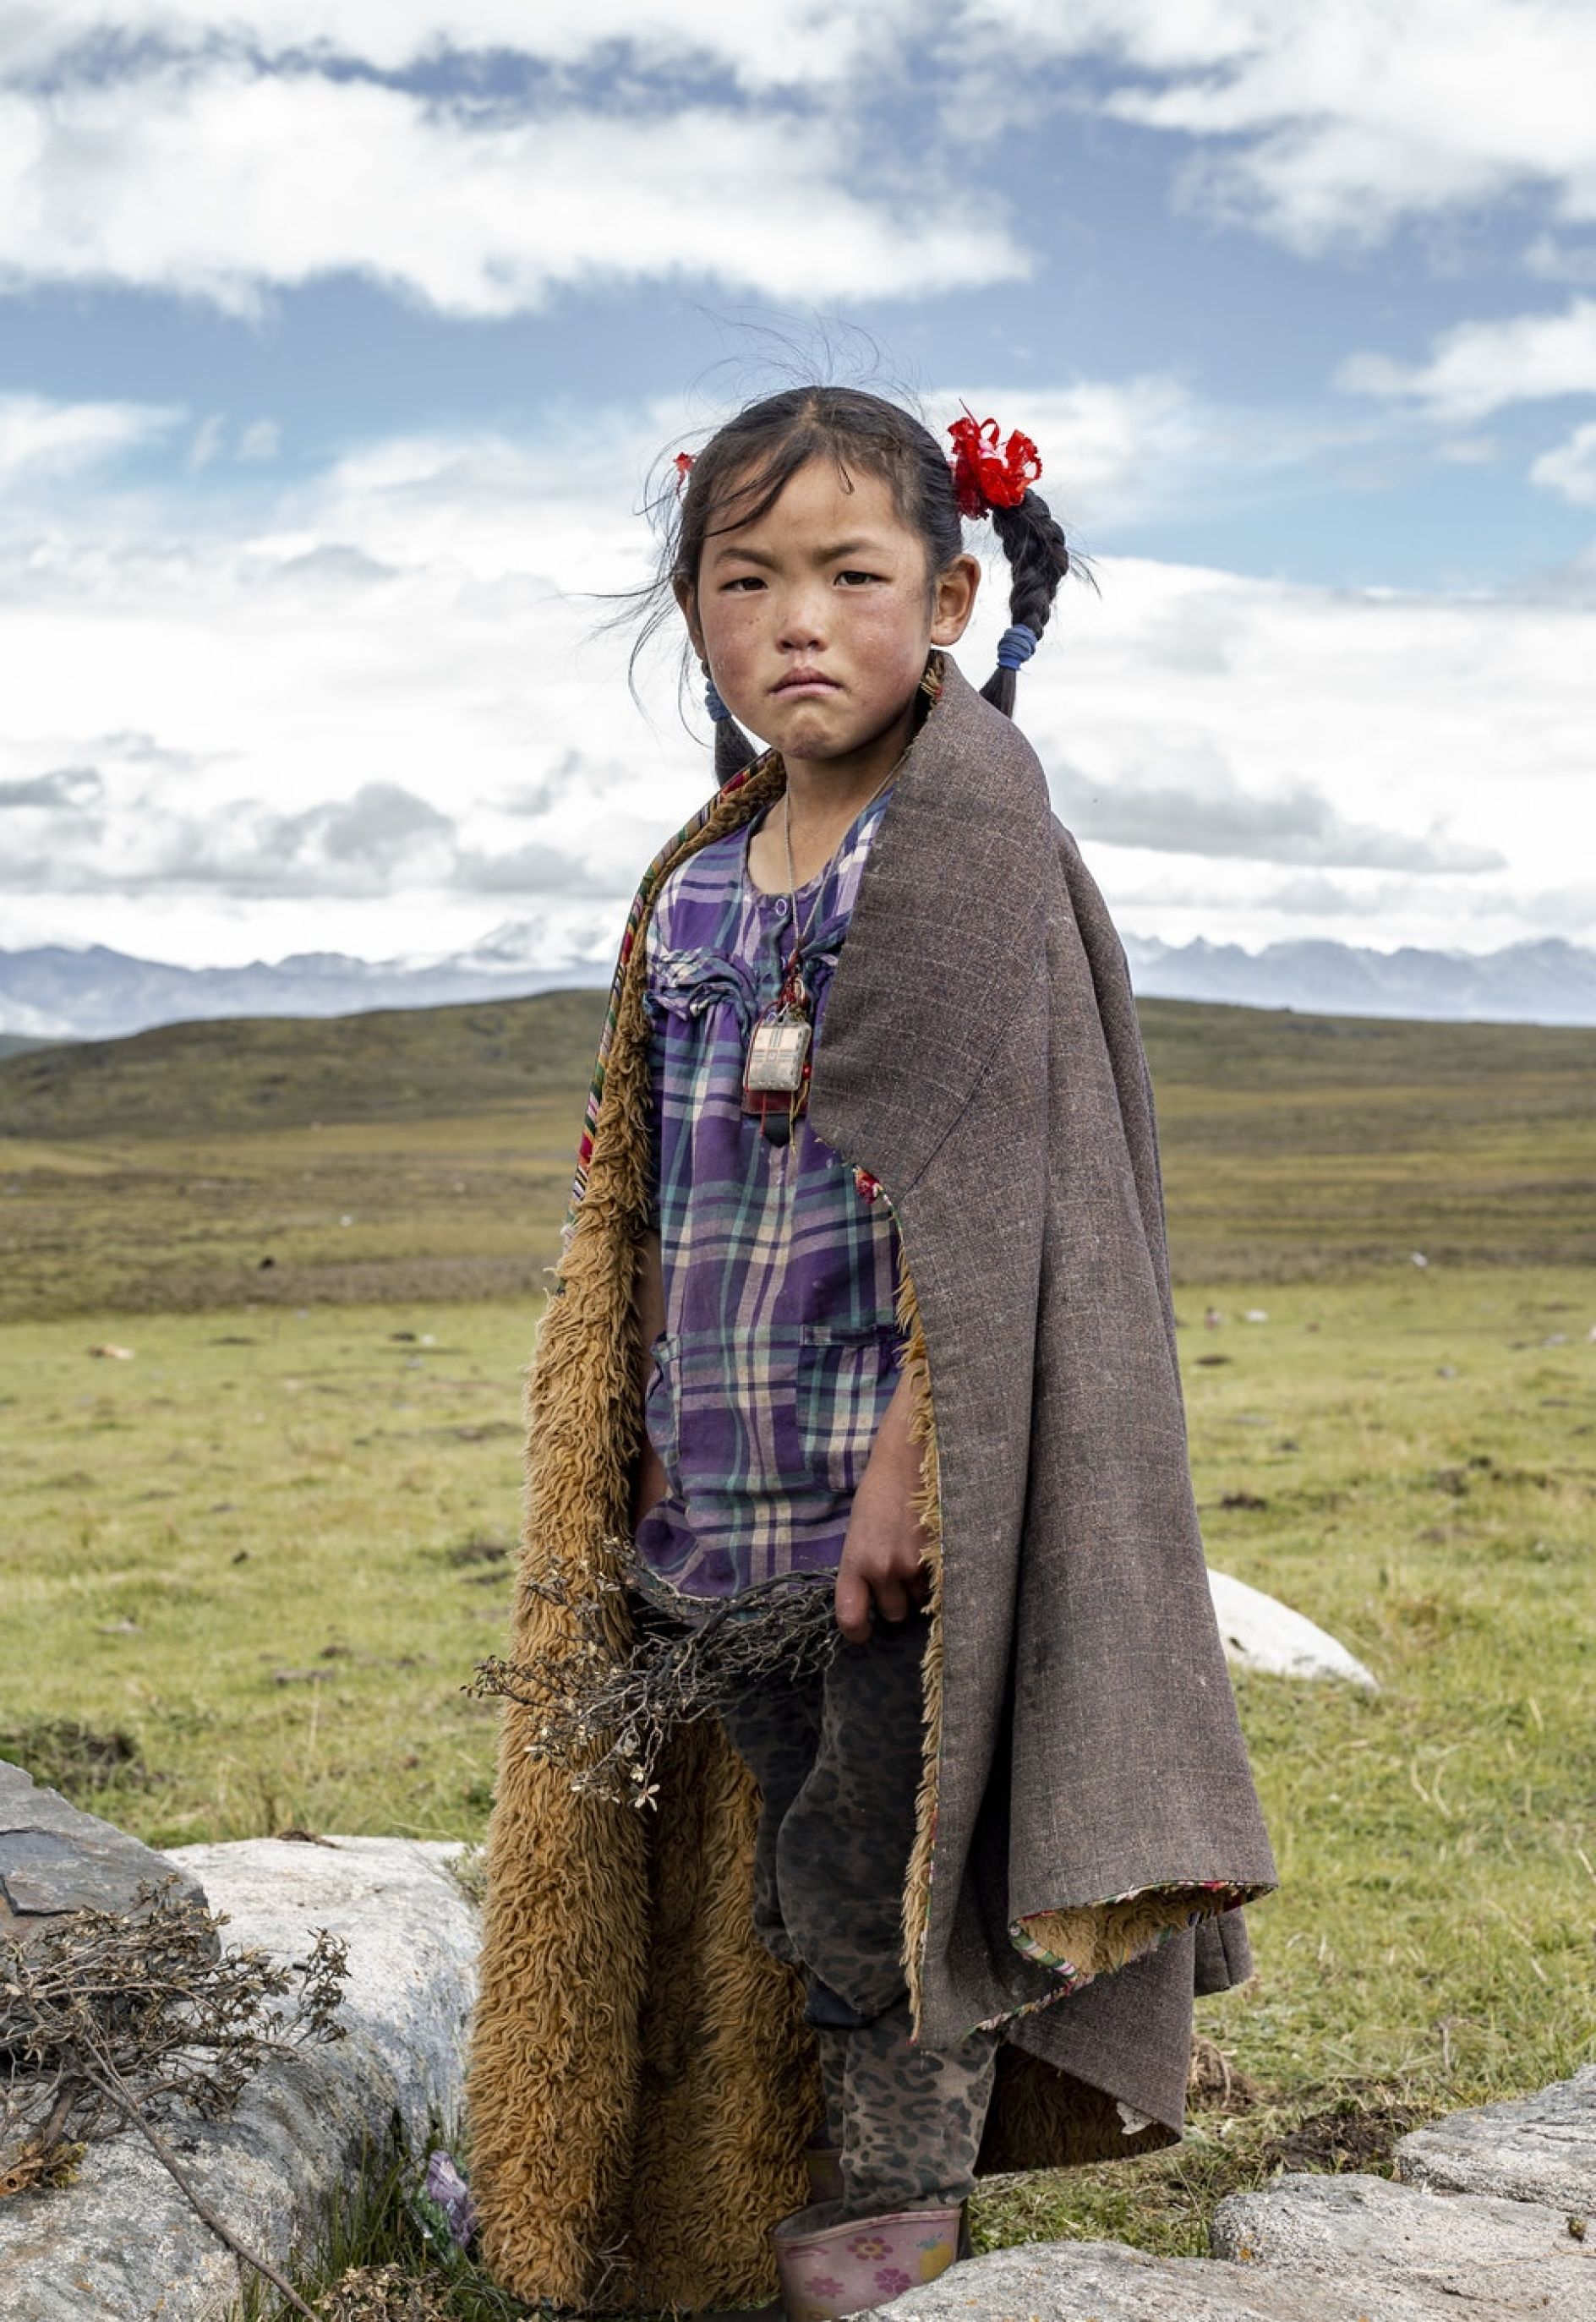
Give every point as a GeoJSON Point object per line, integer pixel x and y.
{"type": "Point", "coordinates": [106, 2015]}
{"type": "Point", "coordinates": [605, 1719]}
{"type": "Point", "coordinates": [111, 2085]}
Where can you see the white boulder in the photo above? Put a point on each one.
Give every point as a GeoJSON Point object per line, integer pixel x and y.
{"type": "Point", "coordinates": [1260, 1632]}
{"type": "Point", "coordinates": [121, 2245]}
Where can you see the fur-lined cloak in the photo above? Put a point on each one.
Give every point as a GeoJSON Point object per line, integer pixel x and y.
{"type": "Point", "coordinates": [642, 2082]}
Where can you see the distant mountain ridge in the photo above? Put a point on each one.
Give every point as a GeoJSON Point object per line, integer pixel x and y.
{"type": "Point", "coordinates": [55, 993]}
{"type": "Point", "coordinates": [1550, 981]}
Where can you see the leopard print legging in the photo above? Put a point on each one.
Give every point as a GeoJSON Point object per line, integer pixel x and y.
{"type": "Point", "coordinates": [837, 1760]}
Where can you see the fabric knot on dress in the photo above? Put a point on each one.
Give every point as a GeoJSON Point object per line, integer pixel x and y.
{"type": "Point", "coordinates": [688, 983]}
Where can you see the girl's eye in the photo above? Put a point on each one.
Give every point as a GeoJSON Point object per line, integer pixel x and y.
{"type": "Point", "coordinates": [853, 579]}
{"type": "Point", "coordinates": [744, 580]}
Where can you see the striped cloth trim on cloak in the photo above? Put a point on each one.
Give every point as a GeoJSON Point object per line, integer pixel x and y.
{"type": "Point", "coordinates": [648, 888]}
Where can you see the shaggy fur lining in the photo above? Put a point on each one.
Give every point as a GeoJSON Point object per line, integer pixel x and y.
{"type": "Point", "coordinates": [1098, 1937]}
{"type": "Point", "coordinates": [585, 2198]}
{"type": "Point", "coordinates": [928, 1507]}
{"type": "Point", "coordinates": [729, 2089]}
{"type": "Point", "coordinates": [1041, 2118]}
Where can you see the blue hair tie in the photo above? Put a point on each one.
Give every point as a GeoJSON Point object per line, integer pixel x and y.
{"type": "Point", "coordinates": [1016, 645]}
{"type": "Point", "coordinates": [717, 709]}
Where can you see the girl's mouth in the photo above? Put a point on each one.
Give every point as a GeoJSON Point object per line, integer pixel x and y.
{"type": "Point", "coordinates": [807, 683]}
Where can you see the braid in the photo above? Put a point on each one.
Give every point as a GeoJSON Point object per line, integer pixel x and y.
{"type": "Point", "coordinates": [1039, 558]}
{"type": "Point", "coordinates": [733, 750]}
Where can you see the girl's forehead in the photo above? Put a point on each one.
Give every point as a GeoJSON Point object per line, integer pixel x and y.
{"type": "Point", "coordinates": [824, 497]}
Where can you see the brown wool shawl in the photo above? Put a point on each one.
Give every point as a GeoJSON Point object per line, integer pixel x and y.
{"type": "Point", "coordinates": [642, 2082]}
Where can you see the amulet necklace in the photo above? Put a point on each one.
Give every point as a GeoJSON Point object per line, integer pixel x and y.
{"type": "Point", "coordinates": [780, 1053]}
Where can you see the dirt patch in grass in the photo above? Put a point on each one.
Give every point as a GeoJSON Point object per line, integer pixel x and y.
{"type": "Point", "coordinates": [79, 1760]}
{"type": "Point", "coordinates": [1216, 2082]}
{"type": "Point", "coordinates": [1241, 2135]}
{"type": "Point", "coordinates": [479, 1548]}
{"type": "Point", "coordinates": [1360, 2132]}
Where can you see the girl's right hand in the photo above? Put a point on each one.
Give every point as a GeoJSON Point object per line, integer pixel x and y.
{"type": "Point", "coordinates": [884, 1554]}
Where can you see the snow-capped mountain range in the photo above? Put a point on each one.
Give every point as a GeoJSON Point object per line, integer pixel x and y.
{"type": "Point", "coordinates": [54, 992]}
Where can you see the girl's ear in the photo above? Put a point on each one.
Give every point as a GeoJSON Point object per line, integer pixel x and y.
{"type": "Point", "coordinates": [686, 596]}
{"type": "Point", "coordinates": [953, 599]}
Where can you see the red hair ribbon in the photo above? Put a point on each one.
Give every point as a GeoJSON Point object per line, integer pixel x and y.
{"type": "Point", "coordinates": [683, 464]}
{"type": "Point", "coordinates": [983, 476]}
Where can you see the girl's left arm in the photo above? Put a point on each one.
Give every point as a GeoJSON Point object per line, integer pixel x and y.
{"type": "Point", "coordinates": [884, 1554]}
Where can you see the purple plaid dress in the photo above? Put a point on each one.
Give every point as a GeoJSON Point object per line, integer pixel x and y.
{"type": "Point", "coordinates": [780, 1350]}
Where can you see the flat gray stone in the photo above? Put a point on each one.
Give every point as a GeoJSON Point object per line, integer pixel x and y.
{"type": "Point", "coordinates": [1463, 2244]}
{"type": "Point", "coordinates": [54, 1858]}
{"type": "Point", "coordinates": [1538, 2148]}
{"type": "Point", "coordinates": [121, 2245]}
{"type": "Point", "coordinates": [1104, 2282]}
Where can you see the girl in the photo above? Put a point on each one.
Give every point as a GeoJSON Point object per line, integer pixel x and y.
{"type": "Point", "coordinates": [865, 1288]}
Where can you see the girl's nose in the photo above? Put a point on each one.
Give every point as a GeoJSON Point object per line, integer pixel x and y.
{"type": "Point", "coordinates": [802, 625]}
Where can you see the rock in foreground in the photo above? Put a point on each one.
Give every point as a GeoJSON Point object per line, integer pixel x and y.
{"type": "Point", "coordinates": [121, 2245]}
{"type": "Point", "coordinates": [1486, 2255]}
{"type": "Point", "coordinates": [55, 1858]}
{"type": "Point", "coordinates": [1539, 2148]}
{"type": "Point", "coordinates": [1104, 2281]}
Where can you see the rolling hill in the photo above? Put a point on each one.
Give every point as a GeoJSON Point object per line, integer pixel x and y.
{"type": "Point", "coordinates": [425, 1154]}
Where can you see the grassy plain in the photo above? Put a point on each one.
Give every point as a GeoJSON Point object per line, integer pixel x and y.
{"type": "Point", "coordinates": [425, 1156]}
{"type": "Point", "coordinates": [269, 1547]}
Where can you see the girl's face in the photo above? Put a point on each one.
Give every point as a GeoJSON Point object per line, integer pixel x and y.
{"type": "Point", "coordinates": [816, 618]}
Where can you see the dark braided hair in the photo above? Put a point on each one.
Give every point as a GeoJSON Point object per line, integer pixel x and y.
{"type": "Point", "coordinates": [748, 463]}
{"type": "Point", "coordinates": [1033, 541]}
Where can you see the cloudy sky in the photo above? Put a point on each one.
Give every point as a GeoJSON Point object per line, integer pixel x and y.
{"type": "Point", "coordinates": [338, 337]}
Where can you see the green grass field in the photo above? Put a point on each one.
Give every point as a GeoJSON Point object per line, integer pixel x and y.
{"type": "Point", "coordinates": [427, 1155]}
{"type": "Point", "coordinates": [267, 1548]}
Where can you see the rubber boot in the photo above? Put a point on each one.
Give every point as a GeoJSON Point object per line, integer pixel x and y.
{"type": "Point", "coordinates": [829, 2271]}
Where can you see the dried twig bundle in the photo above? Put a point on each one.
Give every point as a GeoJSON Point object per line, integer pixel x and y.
{"type": "Point", "coordinates": [108, 2021]}
{"type": "Point", "coordinates": [383, 2293]}
{"type": "Point", "coordinates": [606, 1719]}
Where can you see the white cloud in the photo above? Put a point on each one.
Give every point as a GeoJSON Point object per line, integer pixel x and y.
{"type": "Point", "coordinates": [1571, 468]}
{"type": "Point", "coordinates": [118, 826]}
{"type": "Point", "coordinates": [1330, 125]}
{"type": "Point", "coordinates": [223, 183]}
{"type": "Point", "coordinates": [385, 720]}
{"type": "Point", "coordinates": [1409, 738]}
{"type": "Point", "coordinates": [1108, 447]}
{"type": "Point", "coordinates": [63, 786]}
{"type": "Point", "coordinates": [356, 846]}
{"type": "Point", "coordinates": [761, 46]}
{"type": "Point", "coordinates": [1478, 368]}
{"type": "Point", "coordinates": [1178, 807]}
{"type": "Point", "coordinates": [40, 439]}
{"type": "Point", "coordinates": [236, 152]}
{"type": "Point", "coordinates": [206, 443]}
{"type": "Point", "coordinates": [257, 442]}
